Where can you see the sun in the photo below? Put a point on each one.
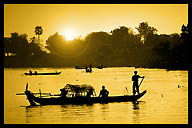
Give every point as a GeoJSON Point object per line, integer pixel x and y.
{"type": "Point", "coordinates": [68, 34]}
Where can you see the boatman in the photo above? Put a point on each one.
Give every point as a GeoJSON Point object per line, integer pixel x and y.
{"type": "Point", "coordinates": [30, 72]}
{"type": "Point", "coordinates": [103, 93]}
{"type": "Point", "coordinates": [135, 78]}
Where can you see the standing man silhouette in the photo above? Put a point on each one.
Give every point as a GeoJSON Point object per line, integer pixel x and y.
{"type": "Point", "coordinates": [135, 78]}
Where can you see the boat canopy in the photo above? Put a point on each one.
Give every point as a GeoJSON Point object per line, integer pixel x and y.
{"type": "Point", "coordinates": [79, 90]}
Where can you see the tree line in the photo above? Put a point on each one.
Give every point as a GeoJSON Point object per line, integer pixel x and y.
{"type": "Point", "coordinates": [121, 47]}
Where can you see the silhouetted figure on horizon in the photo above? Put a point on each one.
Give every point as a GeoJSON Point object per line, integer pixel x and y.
{"type": "Point", "coordinates": [90, 68]}
{"type": "Point", "coordinates": [86, 69]}
{"type": "Point", "coordinates": [135, 78]}
{"type": "Point", "coordinates": [103, 93]}
{"type": "Point", "coordinates": [30, 72]}
{"type": "Point", "coordinates": [35, 72]}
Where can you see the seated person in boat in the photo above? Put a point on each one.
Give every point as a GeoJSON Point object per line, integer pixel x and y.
{"type": "Point", "coordinates": [35, 72]}
{"type": "Point", "coordinates": [87, 69]}
{"type": "Point", "coordinates": [103, 93]}
{"type": "Point", "coordinates": [63, 92]}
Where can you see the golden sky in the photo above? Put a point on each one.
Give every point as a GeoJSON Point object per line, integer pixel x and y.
{"type": "Point", "coordinates": [81, 19]}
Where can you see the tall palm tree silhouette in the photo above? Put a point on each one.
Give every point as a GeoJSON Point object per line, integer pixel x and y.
{"type": "Point", "coordinates": [38, 31]}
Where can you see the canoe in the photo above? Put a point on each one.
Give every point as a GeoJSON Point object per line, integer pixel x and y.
{"type": "Point", "coordinates": [48, 73]}
{"type": "Point", "coordinates": [79, 67]}
{"type": "Point", "coordinates": [34, 100]}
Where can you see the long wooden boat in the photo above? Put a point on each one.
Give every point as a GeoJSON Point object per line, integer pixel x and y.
{"type": "Point", "coordinates": [76, 94]}
{"type": "Point", "coordinates": [34, 100]}
{"type": "Point", "coordinates": [48, 73]}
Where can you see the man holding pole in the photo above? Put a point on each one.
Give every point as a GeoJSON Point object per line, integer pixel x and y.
{"type": "Point", "coordinates": [135, 78]}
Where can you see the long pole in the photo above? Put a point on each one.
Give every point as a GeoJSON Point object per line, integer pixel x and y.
{"type": "Point", "coordinates": [141, 82]}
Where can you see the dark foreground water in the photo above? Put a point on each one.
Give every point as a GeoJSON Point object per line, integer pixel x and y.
{"type": "Point", "coordinates": [164, 102]}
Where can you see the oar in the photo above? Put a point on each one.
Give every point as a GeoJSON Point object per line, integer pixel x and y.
{"type": "Point", "coordinates": [141, 81]}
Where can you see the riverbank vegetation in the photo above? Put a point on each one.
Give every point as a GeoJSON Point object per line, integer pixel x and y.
{"type": "Point", "coordinates": [120, 47]}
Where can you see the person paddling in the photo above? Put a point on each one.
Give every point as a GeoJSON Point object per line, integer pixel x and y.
{"type": "Point", "coordinates": [135, 78]}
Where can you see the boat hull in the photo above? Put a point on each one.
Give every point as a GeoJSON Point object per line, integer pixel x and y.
{"type": "Point", "coordinates": [54, 73]}
{"type": "Point", "coordinates": [33, 100]}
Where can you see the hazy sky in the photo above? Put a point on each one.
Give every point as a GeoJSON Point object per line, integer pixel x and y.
{"type": "Point", "coordinates": [81, 19]}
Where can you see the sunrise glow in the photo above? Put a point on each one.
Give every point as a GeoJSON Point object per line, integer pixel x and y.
{"type": "Point", "coordinates": [68, 34]}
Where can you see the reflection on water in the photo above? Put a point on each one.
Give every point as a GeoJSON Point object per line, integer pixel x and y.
{"type": "Point", "coordinates": [136, 111]}
{"type": "Point", "coordinates": [104, 108]}
{"type": "Point", "coordinates": [52, 112]}
{"type": "Point", "coordinates": [164, 103]}
{"type": "Point", "coordinates": [135, 105]}
{"type": "Point", "coordinates": [67, 112]}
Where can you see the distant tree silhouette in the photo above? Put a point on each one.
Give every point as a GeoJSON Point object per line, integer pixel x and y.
{"type": "Point", "coordinates": [120, 32]}
{"type": "Point", "coordinates": [125, 45]}
{"type": "Point", "coordinates": [185, 48]}
{"type": "Point", "coordinates": [104, 55]}
{"type": "Point", "coordinates": [56, 43]}
{"type": "Point", "coordinates": [120, 47]}
{"type": "Point", "coordinates": [19, 44]}
{"type": "Point", "coordinates": [93, 42]}
{"type": "Point", "coordinates": [38, 32]}
{"type": "Point", "coordinates": [32, 40]}
{"type": "Point", "coordinates": [184, 32]}
{"type": "Point", "coordinates": [144, 30]}
{"type": "Point", "coordinates": [8, 47]}
{"type": "Point", "coordinates": [35, 48]}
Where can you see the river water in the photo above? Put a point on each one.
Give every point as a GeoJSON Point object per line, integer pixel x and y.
{"type": "Point", "coordinates": [166, 100]}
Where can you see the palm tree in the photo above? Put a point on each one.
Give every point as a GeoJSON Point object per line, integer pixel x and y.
{"type": "Point", "coordinates": [38, 31]}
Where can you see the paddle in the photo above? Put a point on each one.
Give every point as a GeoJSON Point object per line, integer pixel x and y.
{"type": "Point", "coordinates": [141, 81]}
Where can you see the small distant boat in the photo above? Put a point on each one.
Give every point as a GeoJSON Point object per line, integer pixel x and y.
{"type": "Point", "coordinates": [80, 67]}
{"type": "Point", "coordinates": [100, 67]}
{"type": "Point", "coordinates": [47, 73]}
{"type": "Point", "coordinates": [76, 94]}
